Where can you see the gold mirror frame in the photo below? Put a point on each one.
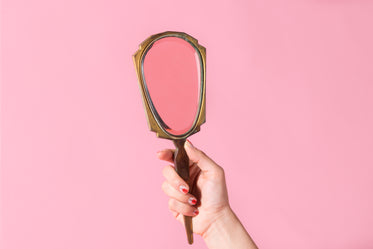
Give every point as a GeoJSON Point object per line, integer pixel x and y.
{"type": "Point", "coordinates": [154, 123]}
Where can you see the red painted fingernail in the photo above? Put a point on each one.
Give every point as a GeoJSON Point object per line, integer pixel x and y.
{"type": "Point", "coordinates": [195, 212]}
{"type": "Point", "coordinates": [190, 143]}
{"type": "Point", "coordinates": [183, 189]}
{"type": "Point", "coordinates": [192, 201]}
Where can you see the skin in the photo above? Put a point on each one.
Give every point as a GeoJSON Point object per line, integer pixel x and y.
{"type": "Point", "coordinates": [213, 217]}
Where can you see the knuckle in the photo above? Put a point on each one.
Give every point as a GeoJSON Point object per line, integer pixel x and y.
{"type": "Point", "coordinates": [175, 214]}
{"type": "Point", "coordinates": [164, 186]}
{"type": "Point", "coordinates": [171, 204]}
{"type": "Point", "coordinates": [186, 210]}
{"type": "Point", "coordinates": [165, 170]}
{"type": "Point", "coordinates": [219, 172]}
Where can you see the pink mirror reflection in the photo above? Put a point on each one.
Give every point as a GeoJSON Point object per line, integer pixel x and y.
{"type": "Point", "coordinates": [171, 70]}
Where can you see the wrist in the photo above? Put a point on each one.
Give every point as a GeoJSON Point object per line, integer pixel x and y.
{"type": "Point", "coordinates": [227, 232]}
{"type": "Point", "coordinates": [223, 217]}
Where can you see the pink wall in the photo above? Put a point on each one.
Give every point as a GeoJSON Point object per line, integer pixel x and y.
{"type": "Point", "coordinates": [289, 117]}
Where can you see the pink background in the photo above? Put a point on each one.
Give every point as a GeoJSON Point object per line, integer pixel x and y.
{"type": "Point", "coordinates": [289, 117]}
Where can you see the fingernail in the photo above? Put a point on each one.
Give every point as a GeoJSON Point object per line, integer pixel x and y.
{"type": "Point", "coordinates": [183, 189]}
{"type": "Point", "coordinates": [188, 143]}
{"type": "Point", "coordinates": [195, 212]}
{"type": "Point", "coordinates": [192, 201]}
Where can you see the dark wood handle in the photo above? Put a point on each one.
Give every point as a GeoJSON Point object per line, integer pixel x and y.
{"type": "Point", "coordinates": [181, 161]}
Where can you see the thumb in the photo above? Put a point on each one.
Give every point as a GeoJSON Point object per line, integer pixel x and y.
{"type": "Point", "coordinates": [200, 158]}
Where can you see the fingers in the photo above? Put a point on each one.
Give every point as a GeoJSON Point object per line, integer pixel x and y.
{"type": "Point", "coordinates": [175, 214]}
{"type": "Point", "coordinates": [201, 159]}
{"type": "Point", "coordinates": [183, 208]}
{"type": "Point", "coordinates": [166, 155]}
{"type": "Point", "coordinates": [175, 180]}
{"type": "Point", "coordinates": [181, 202]}
{"type": "Point", "coordinates": [175, 194]}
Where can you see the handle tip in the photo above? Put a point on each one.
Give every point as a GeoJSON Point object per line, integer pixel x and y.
{"type": "Point", "coordinates": [190, 238]}
{"type": "Point", "coordinates": [189, 228]}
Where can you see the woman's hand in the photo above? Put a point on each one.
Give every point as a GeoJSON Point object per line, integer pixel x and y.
{"type": "Point", "coordinates": [208, 198]}
{"type": "Point", "coordinates": [207, 201]}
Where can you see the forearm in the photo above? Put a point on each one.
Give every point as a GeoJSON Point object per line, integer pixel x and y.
{"type": "Point", "coordinates": [228, 232]}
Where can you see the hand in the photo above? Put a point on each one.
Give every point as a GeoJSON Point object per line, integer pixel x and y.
{"type": "Point", "coordinates": [208, 200]}
{"type": "Point", "coordinates": [215, 221]}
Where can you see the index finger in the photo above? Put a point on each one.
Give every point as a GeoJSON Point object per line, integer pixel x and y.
{"type": "Point", "coordinates": [168, 156]}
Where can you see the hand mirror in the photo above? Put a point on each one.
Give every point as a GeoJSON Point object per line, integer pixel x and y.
{"type": "Point", "coordinates": [171, 70]}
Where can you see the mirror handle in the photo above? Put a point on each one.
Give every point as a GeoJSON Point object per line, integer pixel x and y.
{"type": "Point", "coordinates": [181, 161]}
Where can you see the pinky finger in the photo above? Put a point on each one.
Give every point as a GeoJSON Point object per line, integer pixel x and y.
{"type": "Point", "coordinates": [178, 216]}
{"type": "Point", "coordinates": [175, 214]}
{"type": "Point", "coordinates": [183, 208]}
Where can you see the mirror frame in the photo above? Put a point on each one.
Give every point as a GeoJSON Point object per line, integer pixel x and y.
{"type": "Point", "coordinates": [153, 122]}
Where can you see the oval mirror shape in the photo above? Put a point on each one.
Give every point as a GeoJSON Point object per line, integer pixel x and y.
{"type": "Point", "coordinates": [171, 69]}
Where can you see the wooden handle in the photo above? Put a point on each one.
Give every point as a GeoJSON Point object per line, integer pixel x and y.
{"type": "Point", "coordinates": [181, 161]}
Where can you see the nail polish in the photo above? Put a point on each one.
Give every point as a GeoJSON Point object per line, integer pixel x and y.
{"type": "Point", "coordinates": [183, 189]}
{"type": "Point", "coordinates": [192, 201]}
{"type": "Point", "coordinates": [189, 143]}
{"type": "Point", "coordinates": [196, 212]}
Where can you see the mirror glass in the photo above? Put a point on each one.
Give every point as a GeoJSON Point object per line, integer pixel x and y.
{"type": "Point", "coordinates": [171, 71]}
